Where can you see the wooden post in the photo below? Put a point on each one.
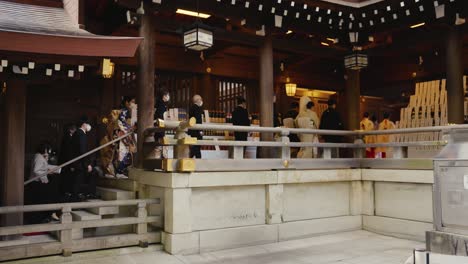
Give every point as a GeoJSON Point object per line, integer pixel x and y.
{"type": "Point", "coordinates": [266, 91]}
{"type": "Point", "coordinates": [142, 228]}
{"type": "Point", "coordinates": [353, 93]}
{"type": "Point", "coordinates": [66, 235]}
{"type": "Point", "coordinates": [13, 170]}
{"type": "Point", "coordinates": [236, 152]}
{"type": "Point", "coordinates": [145, 93]}
{"type": "Point", "coordinates": [454, 67]}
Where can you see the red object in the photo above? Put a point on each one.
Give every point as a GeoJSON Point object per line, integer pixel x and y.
{"type": "Point", "coordinates": [370, 153]}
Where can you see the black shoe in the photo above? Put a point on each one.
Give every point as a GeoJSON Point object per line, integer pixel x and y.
{"type": "Point", "coordinates": [92, 196]}
{"type": "Point", "coordinates": [67, 198]}
{"type": "Point", "coordinates": [81, 197]}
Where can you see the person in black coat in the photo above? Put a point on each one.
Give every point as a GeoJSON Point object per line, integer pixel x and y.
{"type": "Point", "coordinates": [331, 120]}
{"type": "Point", "coordinates": [240, 117]}
{"type": "Point", "coordinates": [82, 169]}
{"type": "Point", "coordinates": [196, 111]}
{"type": "Point", "coordinates": [66, 154]}
{"type": "Point", "coordinates": [159, 109]}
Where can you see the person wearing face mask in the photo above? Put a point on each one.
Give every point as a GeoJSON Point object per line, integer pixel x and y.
{"type": "Point", "coordinates": [82, 169]}
{"type": "Point", "coordinates": [45, 189]}
{"type": "Point", "coordinates": [159, 109]}
{"type": "Point", "coordinates": [196, 111]}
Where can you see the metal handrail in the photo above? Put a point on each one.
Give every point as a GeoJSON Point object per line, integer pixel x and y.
{"type": "Point", "coordinates": [57, 168]}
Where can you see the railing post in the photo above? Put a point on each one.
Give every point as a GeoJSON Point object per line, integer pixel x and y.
{"type": "Point", "coordinates": [400, 152]}
{"type": "Point", "coordinates": [285, 149]}
{"type": "Point", "coordinates": [66, 235]}
{"type": "Point", "coordinates": [327, 153]}
{"type": "Point", "coordinates": [358, 153]}
{"type": "Point", "coordinates": [181, 149]}
{"type": "Point", "coordinates": [236, 152]}
{"type": "Point", "coordinates": [142, 227]}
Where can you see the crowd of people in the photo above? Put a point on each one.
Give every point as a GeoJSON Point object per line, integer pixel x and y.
{"type": "Point", "coordinates": [302, 115]}
{"type": "Point", "coordinates": [77, 181]}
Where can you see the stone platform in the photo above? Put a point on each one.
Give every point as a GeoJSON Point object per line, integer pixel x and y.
{"type": "Point", "coordinates": [357, 247]}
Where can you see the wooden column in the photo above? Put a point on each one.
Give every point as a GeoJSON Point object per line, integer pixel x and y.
{"type": "Point", "coordinates": [14, 150]}
{"type": "Point", "coordinates": [206, 90]}
{"type": "Point", "coordinates": [454, 68]}
{"type": "Point", "coordinates": [145, 92]}
{"type": "Point", "coordinates": [352, 94]}
{"type": "Point", "coordinates": [266, 91]}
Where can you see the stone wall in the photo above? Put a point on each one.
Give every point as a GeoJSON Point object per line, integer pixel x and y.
{"type": "Point", "coordinates": [206, 211]}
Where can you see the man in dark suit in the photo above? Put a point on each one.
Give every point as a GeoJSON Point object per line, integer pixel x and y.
{"type": "Point", "coordinates": [331, 120]}
{"type": "Point", "coordinates": [196, 111]}
{"type": "Point", "coordinates": [240, 117]}
{"type": "Point", "coordinates": [82, 169]}
{"type": "Point", "coordinates": [66, 154]}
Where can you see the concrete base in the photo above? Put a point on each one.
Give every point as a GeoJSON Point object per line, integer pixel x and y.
{"type": "Point", "coordinates": [447, 243]}
{"type": "Point", "coordinates": [219, 239]}
{"type": "Point", "coordinates": [394, 227]}
{"type": "Point", "coordinates": [211, 211]}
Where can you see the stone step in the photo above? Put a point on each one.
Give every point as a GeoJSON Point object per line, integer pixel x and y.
{"type": "Point", "coordinates": [23, 240]}
{"type": "Point", "coordinates": [107, 210]}
{"type": "Point", "coordinates": [121, 184]}
{"type": "Point", "coordinates": [115, 194]}
{"type": "Point", "coordinates": [84, 216]}
{"type": "Point", "coordinates": [77, 233]}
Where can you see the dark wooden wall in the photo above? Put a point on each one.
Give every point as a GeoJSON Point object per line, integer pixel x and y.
{"type": "Point", "coordinates": [50, 106]}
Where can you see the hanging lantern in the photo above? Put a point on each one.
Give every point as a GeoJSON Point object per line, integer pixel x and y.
{"type": "Point", "coordinates": [290, 88]}
{"type": "Point", "coordinates": [107, 68]}
{"type": "Point", "coordinates": [356, 61]}
{"type": "Point", "coordinates": [198, 37]}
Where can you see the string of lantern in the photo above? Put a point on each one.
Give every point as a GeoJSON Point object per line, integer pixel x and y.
{"type": "Point", "coordinates": [106, 68]}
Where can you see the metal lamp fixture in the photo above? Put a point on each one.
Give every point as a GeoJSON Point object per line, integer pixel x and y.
{"type": "Point", "coordinates": [198, 37]}
{"type": "Point", "coordinates": [290, 88]}
{"type": "Point", "coordinates": [356, 61]}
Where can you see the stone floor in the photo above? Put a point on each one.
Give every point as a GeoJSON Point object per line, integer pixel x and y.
{"type": "Point", "coordinates": [358, 247]}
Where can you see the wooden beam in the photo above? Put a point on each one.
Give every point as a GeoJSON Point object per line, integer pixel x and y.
{"type": "Point", "coordinates": [266, 91]}
{"type": "Point", "coordinates": [15, 123]}
{"type": "Point", "coordinates": [145, 93]}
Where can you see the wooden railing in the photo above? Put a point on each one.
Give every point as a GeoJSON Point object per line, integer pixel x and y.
{"type": "Point", "coordinates": [67, 227]}
{"type": "Point", "coordinates": [281, 158]}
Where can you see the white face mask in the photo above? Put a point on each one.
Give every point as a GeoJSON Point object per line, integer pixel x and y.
{"type": "Point", "coordinates": [166, 98]}
{"type": "Point", "coordinates": [87, 127]}
{"type": "Point", "coordinates": [133, 105]}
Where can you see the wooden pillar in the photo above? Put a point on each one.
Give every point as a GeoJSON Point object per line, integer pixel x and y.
{"type": "Point", "coordinates": [206, 90]}
{"type": "Point", "coordinates": [353, 95]}
{"type": "Point", "coordinates": [145, 92]}
{"type": "Point", "coordinates": [14, 151]}
{"type": "Point", "coordinates": [454, 68]}
{"type": "Point", "coordinates": [266, 91]}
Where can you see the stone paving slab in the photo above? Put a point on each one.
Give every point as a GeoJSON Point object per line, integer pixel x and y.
{"type": "Point", "coordinates": [357, 247]}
